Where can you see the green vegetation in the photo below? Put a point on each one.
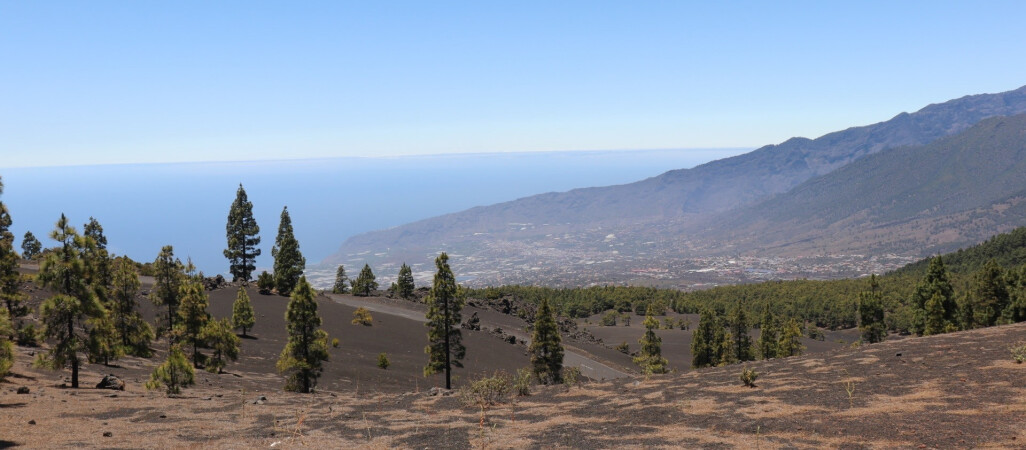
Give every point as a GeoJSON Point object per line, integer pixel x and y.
{"type": "Point", "coordinates": [242, 233]}
{"type": "Point", "coordinates": [790, 343]}
{"type": "Point", "coordinates": [383, 362]}
{"type": "Point", "coordinates": [174, 374]}
{"type": "Point", "coordinates": [651, 357]}
{"type": "Point", "coordinates": [741, 345]}
{"type": "Point", "coordinates": [361, 316]}
{"type": "Point", "coordinates": [445, 304]}
{"type": "Point", "coordinates": [768, 329]}
{"type": "Point", "coordinates": [9, 267]}
{"type": "Point", "coordinates": [748, 376]}
{"type": "Point", "coordinates": [169, 275]}
{"type": "Point", "coordinates": [546, 348]}
{"type": "Point", "coordinates": [242, 312]}
{"type": "Point", "coordinates": [871, 313]}
{"type": "Point", "coordinates": [135, 333]}
{"type": "Point", "coordinates": [364, 283]}
{"type": "Point", "coordinates": [193, 316]}
{"type": "Point", "coordinates": [307, 348]}
{"type": "Point", "coordinates": [265, 283]}
{"type": "Point", "coordinates": [289, 262]}
{"type": "Point", "coordinates": [218, 336]}
{"type": "Point", "coordinates": [1018, 353]}
{"type": "Point", "coordinates": [64, 315]}
{"type": "Point", "coordinates": [404, 284]}
{"type": "Point", "coordinates": [30, 246]}
{"type": "Point", "coordinates": [6, 346]}
{"type": "Point", "coordinates": [341, 285]}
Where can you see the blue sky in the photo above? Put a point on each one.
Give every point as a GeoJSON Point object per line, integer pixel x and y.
{"type": "Point", "coordinates": [124, 82]}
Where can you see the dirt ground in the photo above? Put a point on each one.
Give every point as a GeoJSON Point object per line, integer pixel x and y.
{"type": "Point", "coordinates": [957, 390]}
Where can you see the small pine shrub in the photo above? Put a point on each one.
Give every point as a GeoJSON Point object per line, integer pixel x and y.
{"type": "Point", "coordinates": [383, 361]}
{"type": "Point", "coordinates": [334, 342]}
{"type": "Point", "coordinates": [748, 376]}
{"type": "Point", "coordinates": [362, 317]}
{"type": "Point", "coordinates": [571, 376]}
{"type": "Point", "coordinates": [28, 336]}
{"type": "Point", "coordinates": [265, 283]}
{"type": "Point", "coordinates": [522, 382]}
{"type": "Point", "coordinates": [624, 348]}
{"type": "Point", "coordinates": [1019, 352]}
{"type": "Point", "coordinates": [174, 374]}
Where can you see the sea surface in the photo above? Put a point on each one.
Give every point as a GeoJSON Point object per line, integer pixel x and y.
{"type": "Point", "coordinates": [144, 207]}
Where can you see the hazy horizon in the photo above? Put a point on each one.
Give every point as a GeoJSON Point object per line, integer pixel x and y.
{"type": "Point", "coordinates": [145, 206]}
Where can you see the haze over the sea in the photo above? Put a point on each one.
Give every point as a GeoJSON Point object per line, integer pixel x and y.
{"type": "Point", "coordinates": [145, 206]}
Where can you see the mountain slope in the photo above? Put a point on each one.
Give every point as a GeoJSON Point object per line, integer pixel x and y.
{"type": "Point", "coordinates": [568, 223]}
{"type": "Point", "coordinates": [954, 191]}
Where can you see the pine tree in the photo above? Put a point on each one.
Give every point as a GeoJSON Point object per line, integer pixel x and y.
{"type": "Point", "coordinates": [768, 334]}
{"type": "Point", "coordinates": [307, 348]}
{"type": "Point", "coordinates": [218, 335]}
{"type": "Point", "coordinates": [193, 316]}
{"type": "Point", "coordinates": [104, 343]}
{"type": "Point", "coordinates": [365, 282]}
{"type": "Point", "coordinates": [935, 282]}
{"type": "Point", "coordinates": [404, 283]}
{"type": "Point", "coordinates": [9, 267]}
{"type": "Point", "coordinates": [705, 341]}
{"type": "Point", "coordinates": [935, 323]}
{"type": "Point", "coordinates": [546, 347]}
{"type": "Point", "coordinates": [341, 281]}
{"type": "Point", "coordinates": [174, 374]}
{"type": "Point", "coordinates": [265, 283]}
{"type": "Point", "coordinates": [6, 346]}
{"type": "Point", "coordinates": [168, 278]}
{"type": "Point", "coordinates": [966, 316]}
{"type": "Point", "coordinates": [65, 314]}
{"type": "Point", "coordinates": [242, 312]}
{"type": "Point", "coordinates": [790, 340]}
{"type": "Point", "coordinates": [30, 246]}
{"type": "Point", "coordinates": [650, 359]}
{"type": "Point", "coordinates": [242, 232]}
{"type": "Point", "coordinates": [135, 333]}
{"type": "Point", "coordinates": [445, 304]}
{"type": "Point", "coordinates": [726, 348]}
{"type": "Point", "coordinates": [871, 313]}
{"type": "Point", "coordinates": [97, 260]}
{"type": "Point", "coordinates": [741, 345]}
{"type": "Point", "coordinates": [288, 261]}
{"type": "Point", "coordinates": [989, 293]}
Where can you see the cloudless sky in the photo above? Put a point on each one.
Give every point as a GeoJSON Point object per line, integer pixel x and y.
{"type": "Point", "coordinates": [121, 81]}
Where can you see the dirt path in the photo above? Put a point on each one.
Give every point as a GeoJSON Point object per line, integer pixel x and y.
{"type": "Point", "coordinates": [590, 367]}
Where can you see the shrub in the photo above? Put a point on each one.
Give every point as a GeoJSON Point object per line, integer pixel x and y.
{"type": "Point", "coordinates": [748, 376]}
{"type": "Point", "coordinates": [487, 391]}
{"type": "Point", "coordinates": [624, 348]}
{"type": "Point", "coordinates": [571, 376]}
{"type": "Point", "coordinates": [625, 319]}
{"type": "Point", "coordinates": [522, 382]}
{"type": "Point", "coordinates": [28, 336]}
{"type": "Point", "coordinates": [334, 342]}
{"type": "Point", "coordinates": [265, 283]}
{"type": "Point", "coordinates": [1019, 352]}
{"type": "Point", "coordinates": [362, 317]}
{"type": "Point", "coordinates": [609, 319]}
{"type": "Point", "coordinates": [174, 374]}
{"type": "Point", "coordinates": [383, 360]}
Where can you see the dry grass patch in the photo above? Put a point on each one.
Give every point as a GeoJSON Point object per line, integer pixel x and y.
{"type": "Point", "coordinates": [925, 396]}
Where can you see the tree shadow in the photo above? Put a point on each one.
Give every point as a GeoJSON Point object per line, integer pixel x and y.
{"type": "Point", "coordinates": [8, 444]}
{"type": "Point", "coordinates": [248, 336]}
{"type": "Point", "coordinates": [12, 405]}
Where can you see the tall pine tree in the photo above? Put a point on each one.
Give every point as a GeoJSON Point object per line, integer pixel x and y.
{"type": "Point", "coordinates": [365, 282]}
{"type": "Point", "coordinates": [243, 238]}
{"type": "Point", "coordinates": [30, 246]}
{"type": "Point", "coordinates": [871, 313]}
{"type": "Point", "coordinates": [445, 305]}
{"type": "Point", "coordinates": [741, 345]}
{"type": "Point", "coordinates": [193, 316]}
{"type": "Point", "coordinates": [307, 347]}
{"type": "Point", "coordinates": [405, 282]}
{"type": "Point", "coordinates": [135, 333]}
{"type": "Point", "coordinates": [546, 348]}
{"type": "Point", "coordinates": [790, 340]}
{"type": "Point", "coordinates": [168, 278]}
{"type": "Point", "coordinates": [65, 314]}
{"type": "Point", "coordinates": [935, 282]}
{"type": "Point", "coordinates": [705, 341]}
{"type": "Point", "coordinates": [341, 281]}
{"type": "Point", "coordinates": [768, 330]}
{"type": "Point", "coordinates": [289, 263]}
{"type": "Point", "coordinates": [989, 293]}
{"type": "Point", "coordinates": [9, 267]}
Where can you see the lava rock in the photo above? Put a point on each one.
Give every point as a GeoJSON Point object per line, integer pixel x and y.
{"type": "Point", "coordinates": [111, 382]}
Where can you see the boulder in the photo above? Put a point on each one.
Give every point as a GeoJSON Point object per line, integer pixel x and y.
{"type": "Point", "coordinates": [111, 382]}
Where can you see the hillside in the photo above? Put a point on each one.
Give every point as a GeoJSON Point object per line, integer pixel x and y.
{"type": "Point", "coordinates": [556, 229]}
{"type": "Point", "coordinates": [911, 200]}
{"type": "Point", "coordinates": [953, 390]}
